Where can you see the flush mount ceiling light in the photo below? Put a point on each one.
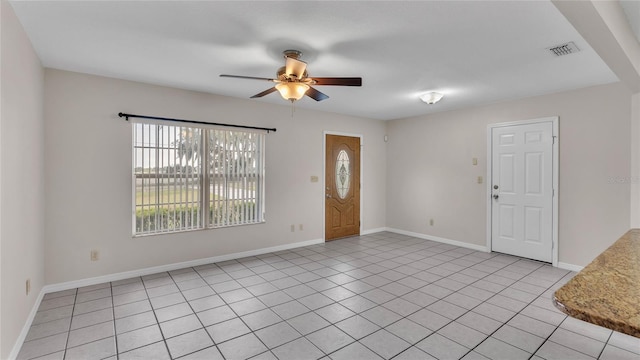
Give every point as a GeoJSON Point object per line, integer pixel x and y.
{"type": "Point", "coordinates": [431, 97]}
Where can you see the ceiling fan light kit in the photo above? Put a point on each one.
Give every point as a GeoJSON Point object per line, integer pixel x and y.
{"type": "Point", "coordinates": [292, 91]}
{"type": "Point", "coordinates": [293, 81]}
{"type": "Point", "coordinates": [431, 97]}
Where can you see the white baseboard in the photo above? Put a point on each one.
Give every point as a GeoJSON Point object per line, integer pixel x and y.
{"type": "Point", "coordinates": [373, 231]}
{"type": "Point", "coordinates": [561, 265]}
{"type": "Point", "coordinates": [439, 239]}
{"type": "Point", "coordinates": [175, 266]}
{"type": "Point", "coordinates": [570, 267]}
{"type": "Point", "coordinates": [27, 325]}
{"type": "Point", "coordinates": [141, 272]}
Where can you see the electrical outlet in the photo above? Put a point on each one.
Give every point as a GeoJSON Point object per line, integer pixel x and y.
{"type": "Point", "coordinates": [95, 255]}
{"type": "Point", "coordinates": [300, 227]}
{"type": "Point", "coordinates": [479, 179]}
{"type": "Point", "coordinates": [430, 222]}
{"type": "Point", "coordinates": [293, 228]}
{"type": "Point", "coordinates": [27, 286]}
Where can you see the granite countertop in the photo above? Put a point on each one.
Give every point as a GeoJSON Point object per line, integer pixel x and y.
{"type": "Point", "coordinates": [607, 291]}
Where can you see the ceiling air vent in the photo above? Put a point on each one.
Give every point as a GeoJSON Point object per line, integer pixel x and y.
{"type": "Point", "coordinates": [564, 49]}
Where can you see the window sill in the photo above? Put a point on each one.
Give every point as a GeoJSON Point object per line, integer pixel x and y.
{"type": "Point", "coordinates": [194, 230]}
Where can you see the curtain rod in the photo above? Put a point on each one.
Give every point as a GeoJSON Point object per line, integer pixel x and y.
{"type": "Point", "coordinates": [127, 116]}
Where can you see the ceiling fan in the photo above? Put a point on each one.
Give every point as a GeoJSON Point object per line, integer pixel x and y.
{"type": "Point", "coordinates": [293, 81]}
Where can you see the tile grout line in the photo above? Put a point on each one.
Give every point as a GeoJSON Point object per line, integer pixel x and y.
{"type": "Point", "coordinates": [484, 301]}
{"type": "Point", "coordinates": [349, 258]}
{"type": "Point", "coordinates": [279, 316]}
{"type": "Point", "coordinates": [468, 310]}
{"type": "Point", "coordinates": [605, 345]}
{"type": "Point", "coordinates": [407, 276]}
{"type": "Point", "coordinates": [396, 297]}
{"type": "Point", "coordinates": [240, 317]}
{"type": "Point", "coordinates": [558, 327]}
{"type": "Point", "coordinates": [115, 329]}
{"type": "Point", "coordinates": [75, 299]}
{"type": "Point", "coordinates": [225, 304]}
{"type": "Point", "coordinates": [344, 271]}
{"type": "Point", "coordinates": [311, 310]}
{"type": "Point", "coordinates": [520, 313]}
{"type": "Point", "coordinates": [164, 341]}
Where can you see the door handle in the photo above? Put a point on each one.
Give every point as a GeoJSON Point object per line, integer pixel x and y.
{"type": "Point", "coordinates": [496, 196]}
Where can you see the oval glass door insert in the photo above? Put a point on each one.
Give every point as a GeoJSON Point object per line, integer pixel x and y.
{"type": "Point", "coordinates": [343, 176]}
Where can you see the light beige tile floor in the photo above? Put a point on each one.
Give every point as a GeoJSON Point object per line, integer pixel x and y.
{"type": "Point", "coordinates": [378, 296]}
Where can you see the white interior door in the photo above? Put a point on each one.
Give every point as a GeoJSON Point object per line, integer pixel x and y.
{"type": "Point", "coordinates": [522, 190]}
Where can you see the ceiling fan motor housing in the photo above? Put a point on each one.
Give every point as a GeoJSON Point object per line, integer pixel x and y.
{"type": "Point", "coordinates": [283, 76]}
{"type": "Point", "coordinates": [294, 54]}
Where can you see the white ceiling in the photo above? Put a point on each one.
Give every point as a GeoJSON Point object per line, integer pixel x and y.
{"type": "Point", "coordinates": [474, 52]}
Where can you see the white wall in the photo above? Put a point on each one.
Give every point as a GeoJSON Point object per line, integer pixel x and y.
{"type": "Point", "coordinates": [88, 174]}
{"type": "Point", "coordinates": [606, 27]}
{"type": "Point", "coordinates": [21, 177]}
{"type": "Point", "coordinates": [430, 172]}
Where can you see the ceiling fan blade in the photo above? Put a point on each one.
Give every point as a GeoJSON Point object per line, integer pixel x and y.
{"type": "Point", "coordinates": [247, 77]}
{"type": "Point", "coordinates": [295, 67]}
{"type": "Point", "coordinates": [316, 95]}
{"type": "Point", "coordinates": [266, 92]}
{"type": "Point", "coordinates": [340, 81]}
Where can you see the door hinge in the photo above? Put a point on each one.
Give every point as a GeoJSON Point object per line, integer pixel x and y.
{"type": "Point", "coordinates": [553, 138]}
{"type": "Point", "coordinates": [553, 192]}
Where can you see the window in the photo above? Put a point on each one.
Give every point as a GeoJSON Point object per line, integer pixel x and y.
{"type": "Point", "coordinates": [188, 178]}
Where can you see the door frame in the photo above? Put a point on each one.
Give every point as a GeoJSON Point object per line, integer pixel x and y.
{"type": "Point", "coordinates": [324, 176]}
{"type": "Point", "coordinates": [555, 167]}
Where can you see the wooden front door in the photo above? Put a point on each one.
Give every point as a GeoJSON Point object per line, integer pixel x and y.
{"type": "Point", "coordinates": [342, 192]}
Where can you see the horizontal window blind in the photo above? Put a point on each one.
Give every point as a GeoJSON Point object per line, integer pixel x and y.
{"type": "Point", "coordinates": [188, 178]}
